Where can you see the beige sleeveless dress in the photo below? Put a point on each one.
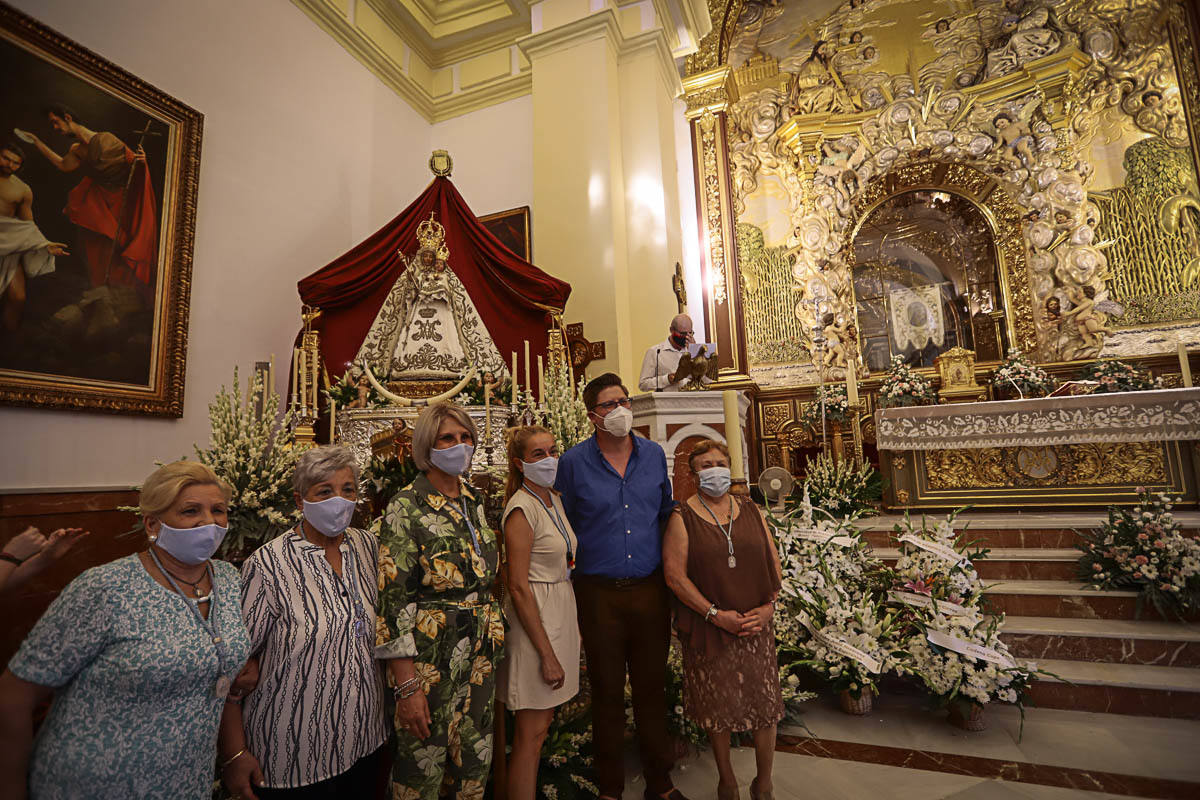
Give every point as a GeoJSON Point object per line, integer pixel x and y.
{"type": "Point", "coordinates": [519, 678]}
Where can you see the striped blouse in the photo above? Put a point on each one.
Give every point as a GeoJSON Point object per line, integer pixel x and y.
{"type": "Point", "coordinates": [318, 706]}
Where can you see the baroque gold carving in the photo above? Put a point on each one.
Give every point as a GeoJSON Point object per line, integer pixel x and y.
{"type": "Point", "coordinates": [1118, 464]}
{"type": "Point", "coordinates": [775, 416]}
{"type": "Point", "coordinates": [710, 174]}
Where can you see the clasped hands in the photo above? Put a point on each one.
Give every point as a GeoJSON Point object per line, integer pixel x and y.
{"type": "Point", "coordinates": [744, 624]}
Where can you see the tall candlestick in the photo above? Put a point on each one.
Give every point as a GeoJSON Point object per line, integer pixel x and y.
{"type": "Point", "coordinates": [733, 434]}
{"type": "Point", "coordinates": [303, 383]}
{"type": "Point", "coordinates": [295, 377]}
{"type": "Point", "coordinates": [514, 380]}
{"type": "Point", "coordinates": [487, 414]}
{"type": "Point", "coordinates": [541, 382]}
{"type": "Point", "coordinates": [1185, 369]}
{"type": "Point", "coordinates": [851, 383]}
{"type": "Point", "coordinates": [316, 382]}
{"type": "Point", "coordinates": [528, 385]}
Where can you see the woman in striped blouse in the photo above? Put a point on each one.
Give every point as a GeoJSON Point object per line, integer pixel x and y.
{"type": "Point", "coordinates": [314, 727]}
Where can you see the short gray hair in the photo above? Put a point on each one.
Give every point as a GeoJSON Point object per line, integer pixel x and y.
{"type": "Point", "coordinates": [426, 429]}
{"type": "Point", "coordinates": [318, 463]}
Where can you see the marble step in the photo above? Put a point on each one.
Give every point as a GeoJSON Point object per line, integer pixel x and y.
{"type": "Point", "coordinates": [1026, 598]}
{"type": "Point", "coordinates": [1016, 563]}
{"type": "Point", "coordinates": [1118, 688]}
{"type": "Point", "coordinates": [1115, 641]}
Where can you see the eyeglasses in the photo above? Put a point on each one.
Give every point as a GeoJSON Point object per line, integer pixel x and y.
{"type": "Point", "coordinates": [611, 404]}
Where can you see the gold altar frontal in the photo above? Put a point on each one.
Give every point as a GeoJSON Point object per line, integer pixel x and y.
{"type": "Point", "coordinates": [1089, 474]}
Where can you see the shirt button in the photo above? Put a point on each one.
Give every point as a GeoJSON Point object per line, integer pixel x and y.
{"type": "Point", "coordinates": [627, 505]}
{"type": "Point", "coordinates": [627, 532]}
{"type": "Point", "coordinates": [629, 556]}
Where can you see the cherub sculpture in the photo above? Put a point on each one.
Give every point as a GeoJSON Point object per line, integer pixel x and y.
{"type": "Point", "coordinates": [362, 391]}
{"type": "Point", "coordinates": [1015, 138]}
{"type": "Point", "coordinates": [1085, 315]}
{"type": "Point", "coordinates": [840, 163]}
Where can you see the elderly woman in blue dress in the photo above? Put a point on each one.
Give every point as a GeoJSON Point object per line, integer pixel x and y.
{"type": "Point", "coordinates": [140, 654]}
{"type": "Point", "coordinates": [314, 727]}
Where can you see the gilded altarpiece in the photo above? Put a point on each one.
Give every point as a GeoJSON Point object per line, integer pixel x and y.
{"type": "Point", "coordinates": [1069, 127]}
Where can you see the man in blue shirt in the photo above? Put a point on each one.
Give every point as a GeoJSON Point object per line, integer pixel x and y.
{"type": "Point", "coordinates": [617, 495]}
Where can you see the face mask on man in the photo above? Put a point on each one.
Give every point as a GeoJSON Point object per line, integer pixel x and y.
{"type": "Point", "coordinates": [541, 472]}
{"type": "Point", "coordinates": [190, 545]}
{"type": "Point", "coordinates": [453, 460]}
{"type": "Point", "coordinates": [679, 340]}
{"type": "Point", "coordinates": [714, 481]}
{"type": "Point", "coordinates": [619, 422]}
{"type": "Point", "coordinates": [330, 516]}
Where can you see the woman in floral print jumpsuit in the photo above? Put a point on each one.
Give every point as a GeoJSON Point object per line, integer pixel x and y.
{"type": "Point", "coordinates": [440, 628]}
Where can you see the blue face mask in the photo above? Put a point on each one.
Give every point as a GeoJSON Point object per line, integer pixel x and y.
{"type": "Point", "coordinates": [191, 545]}
{"type": "Point", "coordinates": [714, 481]}
{"type": "Point", "coordinates": [453, 460]}
{"type": "Point", "coordinates": [330, 516]}
{"type": "Point", "coordinates": [541, 472]}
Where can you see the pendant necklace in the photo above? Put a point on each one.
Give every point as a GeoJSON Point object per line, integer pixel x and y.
{"type": "Point", "coordinates": [209, 626]}
{"type": "Point", "coordinates": [358, 626]}
{"type": "Point", "coordinates": [552, 513]}
{"type": "Point", "coordinates": [198, 598]}
{"type": "Point", "coordinates": [725, 529]}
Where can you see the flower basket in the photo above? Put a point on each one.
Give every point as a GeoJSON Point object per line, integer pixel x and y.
{"type": "Point", "coordinates": [968, 716]}
{"type": "Point", "coordinates": [858, 706]}
{"type": "Point", "coordinates": [1018, 377]}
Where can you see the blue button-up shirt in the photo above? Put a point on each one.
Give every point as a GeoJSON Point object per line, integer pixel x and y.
{"type": "Point", "coordinates": [618, 520]}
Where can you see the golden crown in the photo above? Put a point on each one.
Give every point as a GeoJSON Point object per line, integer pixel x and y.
{"type": "Point", "coordinates": [430, 234]}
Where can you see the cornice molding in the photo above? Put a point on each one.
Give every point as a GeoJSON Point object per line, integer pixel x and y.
{"type": "Point", "coordinates": [603, 25]}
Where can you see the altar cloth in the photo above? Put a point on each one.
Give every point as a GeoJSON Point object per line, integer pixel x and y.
{"type": "Point", "coordinates": [1157, 415]}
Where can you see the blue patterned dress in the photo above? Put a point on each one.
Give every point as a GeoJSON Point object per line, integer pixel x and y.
{"type": "Point", "coordinates": [134, 713]}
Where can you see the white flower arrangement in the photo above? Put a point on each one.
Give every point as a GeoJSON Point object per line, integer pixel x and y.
{"type": "Point", "coordinates": [836, 407]}
{"type": "Point", "coordinates": [564, 411]}
{"type": "Point", "coordinates": [904, 386]}
{"type": "Point", "coordinates": [253, 453]}
{"type": "Point", "coordinates": [1019, 372]}
{"type": "Point", "coordinates": [840, 487]}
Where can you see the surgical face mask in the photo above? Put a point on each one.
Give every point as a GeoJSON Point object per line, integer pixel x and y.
{"type": "Point", "coordinates": [191, 545]}
{"type": "Point", "coordinates": [453, 460]}
{"type": "Point", "coordinates": [541, 472]}
{"type": "Point", "coordinates": [619, 422]}
{"type": "Point", "coordinates": [679, 340]}
{"type": "Point", "coordinates": [331, 516]}
{"type": "Point", "coordinates": [714, 481]}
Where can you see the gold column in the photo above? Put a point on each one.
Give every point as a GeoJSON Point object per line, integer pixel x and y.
{"type": "Point", "coordinates": [709, 95]}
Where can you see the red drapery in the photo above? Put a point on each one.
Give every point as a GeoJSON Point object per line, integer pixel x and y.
{"type": "Point", "coordinates": [513, 297]}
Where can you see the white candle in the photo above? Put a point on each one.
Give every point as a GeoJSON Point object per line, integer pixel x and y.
{"type": "Point", "coordinates": [541, 382]}
{"type": "Point", "coordinates": [303, 382]}
{"type": "Point", "coordinates": [851, 383]}
{"type": "Point", "coordinates": [487, 414]}
{"type": "Point", "coordinates": [528, 385]}
{"type": "Point", "coordinates": [733, 434]}
{"type": "Point", "coordinates": [270, 387]}
{"type": "Point", "coordinates": [295, 377]}
{"type": "Point", "coordinates": [514, 380]}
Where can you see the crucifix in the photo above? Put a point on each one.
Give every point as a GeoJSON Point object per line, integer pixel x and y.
{"type": "Point", "coordinates": [680, 288]}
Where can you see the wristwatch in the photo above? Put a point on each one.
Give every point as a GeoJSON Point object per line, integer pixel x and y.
{"type": "Point", "coordinates": [712, 612]}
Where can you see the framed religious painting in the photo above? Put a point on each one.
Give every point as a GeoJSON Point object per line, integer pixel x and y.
{"type": "Point", "coordinates": [512, 229]}
{"type": "Point", "coordinates": [98, 177]}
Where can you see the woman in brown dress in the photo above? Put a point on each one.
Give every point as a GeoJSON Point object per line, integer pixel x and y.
{"type": "Point", "coordinates": [721, 563]}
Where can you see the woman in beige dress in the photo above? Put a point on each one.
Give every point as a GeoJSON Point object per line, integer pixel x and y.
{"type": "Point", "coordinates": [541, 670]}
{"type": "Point", "coordinates": [720, 562]}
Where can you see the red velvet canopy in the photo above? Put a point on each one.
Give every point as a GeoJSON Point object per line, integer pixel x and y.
{"type": "Point", "coordinates": [513, 297]}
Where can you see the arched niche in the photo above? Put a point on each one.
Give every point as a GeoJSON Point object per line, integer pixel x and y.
{"type": "Point", "coordinates": [1000, 314]}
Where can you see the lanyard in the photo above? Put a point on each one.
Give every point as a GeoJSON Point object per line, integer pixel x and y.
{"type": "Point", "coordinates": [725, 529]}
{"type": "Point", "coordinates": [459, 507]}
{"type": "Point", "coordinates": [210, 625]}
{"type": "Point", "coordinates": [359, 625]}
{"type": "Point", "coordinates": [552, 513]}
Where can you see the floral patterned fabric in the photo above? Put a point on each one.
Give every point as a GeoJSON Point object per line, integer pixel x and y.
{"type": "Point", "coordinates": [134, 713]}
{"type": "Point", "coordinates": [436, 607]}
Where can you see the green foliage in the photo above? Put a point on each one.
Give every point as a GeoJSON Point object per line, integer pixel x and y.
{"type": "Point", "coordinates": [1117, 376]}
{"type": "Point", "coordinates": [836, 407]}
{"type": "Point", "coordinates": [1019, 372]}
{"type": "Point", "coordinates": [904, 386]}
{"type": "Point", "coordinates": [841, 489]}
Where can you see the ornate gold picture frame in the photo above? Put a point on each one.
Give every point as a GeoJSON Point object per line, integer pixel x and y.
{"type": "Point", "coordinates": [98, 179]}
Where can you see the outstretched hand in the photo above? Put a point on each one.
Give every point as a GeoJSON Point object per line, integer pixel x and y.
{"type": "Point", "coordinates": [61, 541]}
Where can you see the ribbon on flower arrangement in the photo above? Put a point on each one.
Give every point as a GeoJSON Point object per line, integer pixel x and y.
{"type": "Point", "coordinates": [969, 648]}
{"type": "Point", "coordinates": [824, 537]}
{"type": "Point", "coordinates": [842, 648]}
{"type": "Point", "coordinates": [941, 550]}
{"type": "Point", "coordinates": [925, 601]}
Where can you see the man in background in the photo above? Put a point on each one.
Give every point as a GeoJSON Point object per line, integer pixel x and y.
{"type": "Point", "coordinates": [24, 252]}
{"type": "Point", "coordinates": [661, 361]}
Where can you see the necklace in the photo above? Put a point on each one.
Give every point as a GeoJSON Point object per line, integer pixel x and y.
{"type": "Point", "coordinates": [461, 507]}
{"type": "Point", "coordinates": [195, 585]}
{"type": "Point", "coordinates": [210, 626]}
{"type": "Point", "coordinates": [725, 529]}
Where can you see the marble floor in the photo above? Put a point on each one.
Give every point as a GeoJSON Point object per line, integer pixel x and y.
{"type": "Point", "coordinates": [904, 750]}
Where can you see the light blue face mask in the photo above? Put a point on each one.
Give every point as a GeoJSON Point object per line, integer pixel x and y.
{"type": "Point", "coordinates": [541, 472]}
{"type": "Point", "coordinates": [191, 545]}
{"type": "Point", "coordinates": [714, 481]}
{"type": "Point", "coordinates": [330, 516]}
{"type": "Point", "coordinates": [453, 460]}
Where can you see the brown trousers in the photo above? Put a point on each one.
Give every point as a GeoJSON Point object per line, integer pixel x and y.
{"type": "Point", "coordinates": [627, 628]}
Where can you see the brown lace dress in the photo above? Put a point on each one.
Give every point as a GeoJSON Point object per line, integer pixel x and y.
{"type": "Point", "coordinates": [729, 683]}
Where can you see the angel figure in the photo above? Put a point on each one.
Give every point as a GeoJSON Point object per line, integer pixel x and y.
{"type": "Point", "coordinates": [817, 87]}
{"type": "Point", "coordinates": [1085, 315]}
{"type": "Point", "coordinates": [840, 163]}
{"type": "Point", "coordinates": [362, 392]}
{"type": "Point", "coordinates": [1015, 137]}
{"type": "Point", "coordinates": [837, 337]}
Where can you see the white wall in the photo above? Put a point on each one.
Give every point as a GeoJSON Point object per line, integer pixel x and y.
{"type": "Point", "coordinates": [305, 153]}
{"type": "Point", "coordinates": [493, 155]}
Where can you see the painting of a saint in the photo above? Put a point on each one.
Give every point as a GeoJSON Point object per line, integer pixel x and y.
{"type": "Point", "coordinates": [95, 248]}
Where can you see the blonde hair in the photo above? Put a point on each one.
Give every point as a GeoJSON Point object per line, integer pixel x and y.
{"type": "Point", "coordinates": [165, 484]}
{"type": "Point", "coordinates": [703, 447]}
{"type": "Point", "coordinates": [516, 440]}
{"type": "Point", "coordinates": [426, 429]}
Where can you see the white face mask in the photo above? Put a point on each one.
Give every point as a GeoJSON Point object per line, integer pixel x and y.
{"type": "Point", "coordinates": [714, 481]}
{"type": "Point", "coordinates": [541, 472]}
{"type": "Point", "coordinates": [330, 516]}
{"type": "Point", "coordinates": [619, 422]}
{"type": "Point", "coordinates": [453, 460]}
{"type": "Point", "coordinates": [190, 545]}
